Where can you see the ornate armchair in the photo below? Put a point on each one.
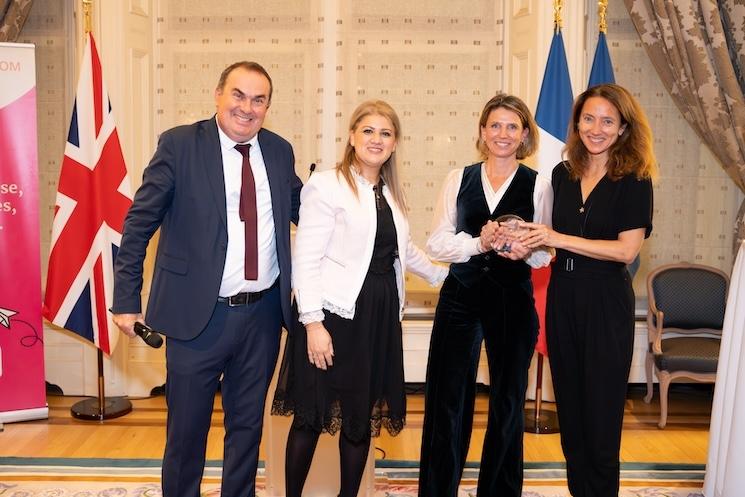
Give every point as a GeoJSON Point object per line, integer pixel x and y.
{"type": "Point", "coordinates": [684, 325]}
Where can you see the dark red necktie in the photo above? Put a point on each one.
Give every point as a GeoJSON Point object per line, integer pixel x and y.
{"type": "Point", "coordinates": [247, 212]}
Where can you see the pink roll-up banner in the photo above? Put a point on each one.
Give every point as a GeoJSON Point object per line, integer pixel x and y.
{"type": "Point", "coordinates": [22, 387]}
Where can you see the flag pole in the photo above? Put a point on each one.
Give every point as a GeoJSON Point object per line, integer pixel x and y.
{"type": "Point", "coordinates": [558, 5]}
{"type": "Point", "coordinates": [537, 420]}
{"type": "Point", "coordinates": [87, 6]}
{"type": "Point", "coordinates": [100, 408]}
{"type": "Point", "coordinates": [602, 12]}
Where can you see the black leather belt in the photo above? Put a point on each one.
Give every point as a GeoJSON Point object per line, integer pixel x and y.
{"type": "Point", "coordinates": [245, 298]}
{"type": "Point", "coordinates": [582, 267]}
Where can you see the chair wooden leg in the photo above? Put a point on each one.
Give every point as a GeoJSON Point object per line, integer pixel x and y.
{"type": "Point", "coordinates": [665, 379]}
{"type": "Point", "coordinates": [648, 363]}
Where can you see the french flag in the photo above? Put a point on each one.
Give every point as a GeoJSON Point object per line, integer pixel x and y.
{"type": "Point", "coordinates": [602, 69]}
{"type": "Point", "coordinates": [552, 116]}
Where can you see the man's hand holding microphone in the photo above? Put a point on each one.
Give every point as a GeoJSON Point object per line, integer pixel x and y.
{"type": "Point", "coordinates": [134, 324]}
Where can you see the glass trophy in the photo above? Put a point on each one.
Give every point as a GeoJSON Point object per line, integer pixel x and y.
{"type": "Point", "coordinates": [512, 223]}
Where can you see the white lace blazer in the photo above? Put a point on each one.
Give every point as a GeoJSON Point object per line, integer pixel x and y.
{"type": "Point", "coordinates": [334, 246]}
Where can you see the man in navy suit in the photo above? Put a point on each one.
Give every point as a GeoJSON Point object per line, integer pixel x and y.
{"type": "Point", "coordinates": [220, 318]}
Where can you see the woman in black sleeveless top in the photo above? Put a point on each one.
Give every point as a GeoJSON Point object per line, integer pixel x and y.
{"type": "Point", "coordinates": [485, 298]}
{"type": "Point", "coordinates": [602, 213]}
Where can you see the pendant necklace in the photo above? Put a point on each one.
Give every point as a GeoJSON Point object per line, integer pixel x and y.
{"type": "Point", "coordinates": [585, 202]}
{"type": "Point", "coordinates": [584, 212]}
{"type": "Point", "coordinates": [583, 219]}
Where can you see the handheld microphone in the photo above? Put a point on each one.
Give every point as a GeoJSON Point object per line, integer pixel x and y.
{"type": "Point", "coordinates": [148, 335]}
{"type": "Point", "coordinates": [312, 168]}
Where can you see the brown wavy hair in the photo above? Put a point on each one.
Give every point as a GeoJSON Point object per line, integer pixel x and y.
{"type": "Point", "coordinates": [389, 171]}
{"type": "Point", "coordinates": [632, 153]}
{"type": "Point", "coordinates": [510, 102]}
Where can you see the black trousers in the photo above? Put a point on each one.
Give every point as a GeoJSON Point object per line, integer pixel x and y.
{"type": "Point", "coordinates": [241, 344]}
{"type": "Point", "coordinates": [505, 318]}
{"type": "Point", "coordinates": [590, 334]}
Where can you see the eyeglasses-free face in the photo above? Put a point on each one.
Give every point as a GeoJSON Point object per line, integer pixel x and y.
{"type": "Point", "coordinates": [242, 104]}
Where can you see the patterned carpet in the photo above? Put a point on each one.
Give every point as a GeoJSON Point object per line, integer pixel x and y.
{"type": "Point", "coordinates": [125, 489]}
{"type": "Point", "coordinates": [50, 477]}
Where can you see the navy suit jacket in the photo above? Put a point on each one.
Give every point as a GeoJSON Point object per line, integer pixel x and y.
{"type": "Point", "coordinates": [183, 194]}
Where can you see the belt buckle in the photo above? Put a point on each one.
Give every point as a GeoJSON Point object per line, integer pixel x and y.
{"type": "Point", "coordinates": [245, 298]}
{"type": "Point", "coordinates": [569, 264]}
{"type": "Point", "coordinates": [237, 300]}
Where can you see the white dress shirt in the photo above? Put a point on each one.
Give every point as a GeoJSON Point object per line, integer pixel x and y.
{"type": "Point", "coordinates": [445, 245]}
{"type": "Point", "coordinates": [233, 276]}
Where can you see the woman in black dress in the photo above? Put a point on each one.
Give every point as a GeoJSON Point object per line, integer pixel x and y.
{"type": "Point", "coordinates": [343, 366]}
{"type": "Point", "coordinates": [602, 213]}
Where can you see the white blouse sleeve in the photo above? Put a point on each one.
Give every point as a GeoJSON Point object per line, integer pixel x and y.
{"type": "Point", "coordinates": [444, 244]}
{"type": "Point", "coordinates": [543, 204]}
{"type": "Point", "coordinates": [418, 263]}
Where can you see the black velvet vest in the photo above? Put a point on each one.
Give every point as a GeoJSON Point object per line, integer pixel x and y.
{"type": "Point", "coordinates": [473, 213]}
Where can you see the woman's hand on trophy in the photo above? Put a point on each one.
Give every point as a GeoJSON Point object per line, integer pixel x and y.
{"type": "Point", "coordinates": [488, 236]}
{"type": "Point", "coordinates": [538, 235]}
{"type": "Point", "coordinates": [516, 251]}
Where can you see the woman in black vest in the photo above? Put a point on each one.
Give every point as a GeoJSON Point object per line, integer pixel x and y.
{"type": "Point", "coordinates": [484, 298]}
{"type": "Point", "coordinates": [602, 213]}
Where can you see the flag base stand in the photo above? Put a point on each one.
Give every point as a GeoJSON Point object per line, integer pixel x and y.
{"type": "Point", "coordinates": [540, 421]}
{"type": "Point", "coordinates": [90, 409]}
{"type": "Point", "coordinates": [101, 408]}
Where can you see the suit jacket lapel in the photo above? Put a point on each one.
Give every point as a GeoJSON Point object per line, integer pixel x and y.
{"type": "Point", "coordinates": [275, 179]}
{"type": "Point", "coordinates": [211, 160]}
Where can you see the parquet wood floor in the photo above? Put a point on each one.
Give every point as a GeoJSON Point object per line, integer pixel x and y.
{"type": "Point", "coordinates": [141, 434]}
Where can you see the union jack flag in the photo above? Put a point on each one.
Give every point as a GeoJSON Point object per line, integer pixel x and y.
{"type": "Point", "coordinates": [93, 197]}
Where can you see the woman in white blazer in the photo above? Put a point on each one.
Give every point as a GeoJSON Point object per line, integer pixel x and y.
{"type": "Point", "coordinates": [343, 364]}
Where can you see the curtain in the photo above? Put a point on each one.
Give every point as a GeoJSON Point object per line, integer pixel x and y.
{"type": "Point", "coordinates": [697, 48]}
{"type": "Point", "coordinates": [13, 16]}
{"type": "Point", "coordinates": [724, 474]}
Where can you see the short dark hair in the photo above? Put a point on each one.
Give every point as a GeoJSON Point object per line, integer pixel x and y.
{"type": "Point", "coordinates": [248, 66]}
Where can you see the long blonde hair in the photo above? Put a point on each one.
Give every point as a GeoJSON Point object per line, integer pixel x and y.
{"type": "Point", "coordinates": [389, 171]}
